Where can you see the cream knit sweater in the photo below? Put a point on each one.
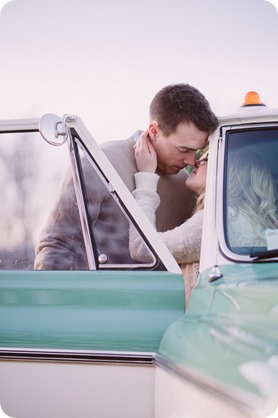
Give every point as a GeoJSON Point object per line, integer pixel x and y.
{"type": "Point", "coordinates": [184, 241]}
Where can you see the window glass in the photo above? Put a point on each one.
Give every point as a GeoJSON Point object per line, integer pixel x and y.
{"type": "Point", "coordinates": [108, 219]}
{"type": "Point", "coordinates": [250, 191]}
{"type": "Point", "coordinates": [30, 172]}
{"type": "Point", "coordinates": [39, 212]}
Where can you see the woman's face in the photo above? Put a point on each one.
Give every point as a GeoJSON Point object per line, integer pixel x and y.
{"type": "Point", "coordinates": [197, 179]}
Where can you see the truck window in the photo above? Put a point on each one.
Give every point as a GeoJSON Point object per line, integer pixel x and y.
{"type": "Point", "coordinates": [250, 190]}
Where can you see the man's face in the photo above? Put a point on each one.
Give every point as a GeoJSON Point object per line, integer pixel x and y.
{"type": "Point", "coordinates": [178, 149]}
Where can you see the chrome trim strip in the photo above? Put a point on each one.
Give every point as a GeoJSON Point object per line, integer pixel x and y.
{"type": "Point", "coordinates": [91, 252]}
{"type": "Point", "coordinates": [18, 125]}
{"type": "Point", "coordinates": [118, 201]}
{"type": "Point", "coordinates": [76, 356]}
{"type": "Point", "coordinates": [126, 266]}
{"type": "Point", "coordinates": [81, 204]}
{"type": "Point", "coordinates": [241, 399]}
{"type": "Point", "coordinates": [126, 197]}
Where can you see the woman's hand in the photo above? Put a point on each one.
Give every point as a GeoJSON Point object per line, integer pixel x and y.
{"type": "Point", "coordinates": [145, 154]}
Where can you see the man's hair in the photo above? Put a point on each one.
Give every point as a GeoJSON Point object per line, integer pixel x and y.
{"type": "Point", "coordinates": [179, 103]}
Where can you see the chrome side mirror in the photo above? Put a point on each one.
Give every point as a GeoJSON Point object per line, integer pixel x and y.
{"type": "Point", "coordinates": [53, 129]}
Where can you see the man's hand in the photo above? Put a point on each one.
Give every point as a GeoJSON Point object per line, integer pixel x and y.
{"type": "Point", "coordinates": [145, 154]}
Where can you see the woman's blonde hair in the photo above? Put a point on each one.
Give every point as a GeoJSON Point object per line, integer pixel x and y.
{"type": "Point", "coordinates": [251, 188]}
{"type": "Point", "coordinates": [200, 202]}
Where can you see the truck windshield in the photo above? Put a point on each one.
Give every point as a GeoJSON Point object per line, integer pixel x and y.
{"type": "Point", "coordinates": [250, 190]}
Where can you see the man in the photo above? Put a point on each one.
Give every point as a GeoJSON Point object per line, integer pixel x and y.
{"type": "Point", "coordinates": [180, 123]}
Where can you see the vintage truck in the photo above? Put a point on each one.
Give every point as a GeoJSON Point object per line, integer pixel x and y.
{"type": "Point", "coordinates": [115, 340]}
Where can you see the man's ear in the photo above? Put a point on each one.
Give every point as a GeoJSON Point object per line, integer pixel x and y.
{"type": "Point", "coordinates": [153, 129]}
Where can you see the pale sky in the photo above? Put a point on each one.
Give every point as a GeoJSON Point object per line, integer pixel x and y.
{"type": "Point", "coordinates": [105, 60]}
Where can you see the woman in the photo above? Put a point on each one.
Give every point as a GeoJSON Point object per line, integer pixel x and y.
{"type": "Point", "coordinates": [184, 241]}
{"type": "Point", "coordinates": [250, 200]}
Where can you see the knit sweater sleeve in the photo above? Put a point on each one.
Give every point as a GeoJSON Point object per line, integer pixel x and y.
{"type": "Point", "coordinates": [146, 195]}
{"type": "Point", "coordinates": [184, 241]}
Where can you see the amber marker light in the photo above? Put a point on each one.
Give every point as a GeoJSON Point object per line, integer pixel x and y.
{"type": "Point", "coordinates": [252, 98]}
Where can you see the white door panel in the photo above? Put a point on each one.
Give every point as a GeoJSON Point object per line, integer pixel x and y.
{"type": "Point", "coordinates": [67, 390]}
